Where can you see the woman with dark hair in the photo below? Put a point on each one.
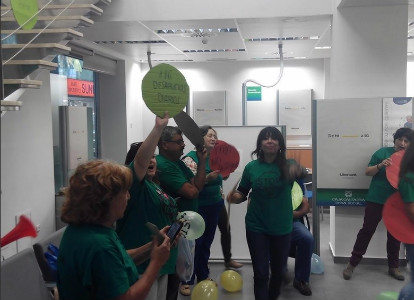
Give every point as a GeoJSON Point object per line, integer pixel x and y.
{"type": "Point", "coordinates": [149, 203]}
{"type": "Point", "coordinates": [268, 183]}
{"type": "Point", "coordinates": [210, 203]}
{"type": "Point", "coordinates": [92, 262]}
{"type": "Point", "coordinates": [379, 191]}
{"type": "Point", "coordinates": [406, 188]}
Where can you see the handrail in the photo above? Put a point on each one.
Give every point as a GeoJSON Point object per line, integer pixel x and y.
{"type": "Point", "coordinates": [17, 53]}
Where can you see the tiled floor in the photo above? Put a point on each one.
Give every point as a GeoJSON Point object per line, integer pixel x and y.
{"type": "Point", "coordinates": [367, 283]}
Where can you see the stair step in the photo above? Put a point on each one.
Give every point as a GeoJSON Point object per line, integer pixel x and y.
{"type": "Point", "coordinates": [7, 105]}
{"type": "Point", "coordinates": [82, 19]}
{"type": "Point", "coordinates": [69, 31]}
{"type": "Point", "coordinates": [90, 7]}
{"type": "Point", "coordinates": [37, 46]}
{"type": "Point", "coordinates": [44, 64]}
{"type": "Point", "coordinates": [23, 83]}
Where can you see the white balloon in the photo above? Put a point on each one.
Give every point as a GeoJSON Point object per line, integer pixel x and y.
{"type": "Point", "coordinates": [194, 224]}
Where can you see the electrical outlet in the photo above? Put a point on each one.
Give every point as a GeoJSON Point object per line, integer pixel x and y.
{"type": "Point", "coordinates": [38, 228]}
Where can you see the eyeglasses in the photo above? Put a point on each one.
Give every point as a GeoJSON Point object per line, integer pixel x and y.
{"type": "Point", "coordinates": [178, 142]}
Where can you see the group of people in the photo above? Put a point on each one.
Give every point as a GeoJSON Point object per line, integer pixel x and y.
{"type": "Point", "coordinates": [117, 201]}
{"type": "Point", "coordinates": [107, 252]}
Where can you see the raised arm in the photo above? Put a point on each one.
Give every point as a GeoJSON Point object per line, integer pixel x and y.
{"type": "Point", "coordinates": [147, 149]}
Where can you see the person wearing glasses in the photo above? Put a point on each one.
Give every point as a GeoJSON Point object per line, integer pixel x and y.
{"type": "Point", "coordinates": [148, 203]}
{"type": "Point", "coordinates": [178, 181]}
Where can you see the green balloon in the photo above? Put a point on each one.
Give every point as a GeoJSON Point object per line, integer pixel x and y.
{"type": "Point", "coordinates": [23, 10]}
{"type": "Point", "coordinates": [388, 295]}
{"type": "Point", "coordinates": [164, 88]}
{"type": "Point", "coordinates": [205, 290]}
{"type": "Point", "coordinates": [297, 195]}
{"type": "Point", "coordinates": [194, 224]}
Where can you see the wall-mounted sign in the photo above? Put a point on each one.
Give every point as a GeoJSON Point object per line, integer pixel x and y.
{"type": "Point", "coordinates": [80, 88]}
{"type": "Point", "coordinates": [254, 93]}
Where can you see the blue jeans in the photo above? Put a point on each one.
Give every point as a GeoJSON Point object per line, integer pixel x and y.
{"type": "Point", "coordinates": [210, 214]}
{"type": "Point", "coordinates": [302, 239]}
{"type": "Point", "coordinates": [265, 248]}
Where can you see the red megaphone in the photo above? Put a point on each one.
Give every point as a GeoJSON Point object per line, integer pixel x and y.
{"type": "Point", "coordinates": [24, 228]}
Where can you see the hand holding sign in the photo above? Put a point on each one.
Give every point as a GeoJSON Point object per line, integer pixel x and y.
{"type": "Point", "coordinates": [393, 170]}
{"type": "Point", "coordinates": [164, 88]}
{"type": "Point", "coordinates": [224, 157]}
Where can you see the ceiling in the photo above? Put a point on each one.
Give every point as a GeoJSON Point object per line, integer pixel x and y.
{"type": "Point", "coordinates": [239, 39]}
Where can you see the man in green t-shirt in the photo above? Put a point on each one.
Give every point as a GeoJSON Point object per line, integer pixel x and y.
{"type": "Point", "coordinates": [177, 180]}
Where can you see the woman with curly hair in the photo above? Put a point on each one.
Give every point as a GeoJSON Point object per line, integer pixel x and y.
{"type": "Point", "coordinates": [92, 262]}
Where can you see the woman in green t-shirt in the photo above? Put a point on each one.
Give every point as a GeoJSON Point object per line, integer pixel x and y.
{"type": "Point", "coordinates": [269, 215]}
{"type": "Point", "coordinates": [379, 191]}
{"type": "Point", "coordinates": [92, 262]}
{"type": "Point", "coordinates": [148, 203]}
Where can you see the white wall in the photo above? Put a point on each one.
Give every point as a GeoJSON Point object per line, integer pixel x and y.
{"type": "Point", "coordinates": [229, 76]}
{"type": "Point", "coordinates": [134, 103]}
{"type": "Point", "coordinates": [27, 181]}
{"type": "Point", "coordinates": [112, 114]}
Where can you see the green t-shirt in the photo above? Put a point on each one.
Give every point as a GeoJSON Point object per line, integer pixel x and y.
{"type": "Point", "coordinates": [93, 264]}
{"type": "Point", "coordinates": [212, 191]}
{"type": "Point", "coordinates": [172, 176]}
{"type": "Point", "coordinates": [380, 188]}
{"type": "Point", "coordinates": [406, 187]}
{"type": "Point", "coordinates": [270, 210]}
{"type": "Point", "coordinates": [148, 203]}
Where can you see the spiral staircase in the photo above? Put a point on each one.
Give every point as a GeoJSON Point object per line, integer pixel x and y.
{"type": "Point", "coordinates": [25, 51]}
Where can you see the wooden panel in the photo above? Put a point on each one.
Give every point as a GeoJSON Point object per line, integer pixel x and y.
{"type": "Point", "coordinates": [302, 156]}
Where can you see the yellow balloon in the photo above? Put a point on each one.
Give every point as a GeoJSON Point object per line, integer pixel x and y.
{"type": "Point", "coordinates": [231, 281]}
{"type": "Point", "coordinates": [205, 290]}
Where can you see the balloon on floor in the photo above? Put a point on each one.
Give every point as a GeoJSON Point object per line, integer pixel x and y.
{"type": "Point", "coordinates": [317, 266]}
{"type": "Point", "coordinates": [231, 281]}
{"type": "Point", "coordinates": [388, 295]}
{"type": "Point", "coordinates": [205, 290]}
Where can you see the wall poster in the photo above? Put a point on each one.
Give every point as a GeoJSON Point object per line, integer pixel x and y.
{"type": "Point", "coordinates": [295, 111]}
{"type": "Point", "coordinates": [346, 140]}
{"type": "Point", "coordinates": [210, 108]}
{"type": "Point", "coordinates": [397, 113]}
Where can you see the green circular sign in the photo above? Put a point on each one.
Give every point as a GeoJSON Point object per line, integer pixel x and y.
{"type": "Point", "coordinates": [23, 10]}
{"type": "Point", "coordinates": [164, 88]}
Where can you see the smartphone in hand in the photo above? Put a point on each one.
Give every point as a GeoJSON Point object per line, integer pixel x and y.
{"type": "Point", "coordinates": [172, 233]}
{"type": "Point", "coordinates": [174, 230]}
